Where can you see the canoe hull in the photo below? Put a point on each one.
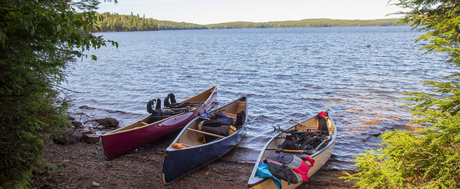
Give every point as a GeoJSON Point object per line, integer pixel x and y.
{"type": "Point", "coordinates": [320, 157]}
{"type": "Point", "coordinates": [179, 162]}
{"type": "Point", "coordinates": [117, 143]}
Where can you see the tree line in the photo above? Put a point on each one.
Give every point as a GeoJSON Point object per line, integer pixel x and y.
{"type": "Point", "coordinates": [307, 23]}
{"type": "Point", "coordinates": [117, 22]}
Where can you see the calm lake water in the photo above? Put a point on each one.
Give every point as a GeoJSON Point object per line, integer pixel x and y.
{"type": "Point", "coordinates": [286, 73]}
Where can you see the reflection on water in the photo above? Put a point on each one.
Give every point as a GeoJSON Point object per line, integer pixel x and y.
{"type": "Point", "coordinates": [289, 73]}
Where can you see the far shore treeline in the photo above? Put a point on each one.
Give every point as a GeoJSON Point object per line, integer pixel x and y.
{"type": "Point", "coordinates": [114, 22]}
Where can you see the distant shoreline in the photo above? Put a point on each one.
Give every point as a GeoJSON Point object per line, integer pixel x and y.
{"type": "Point", "coordinates": [123, 23]}
{"type": "Point", "coordinates": [250, 28]}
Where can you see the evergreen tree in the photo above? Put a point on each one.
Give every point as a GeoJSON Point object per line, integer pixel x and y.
{"type": "Point", "coordinates": [116, 22]}
{"type": "Point", "coordinates": [429, 157]}
{"type": "Point", "coordinates": [38, 39]}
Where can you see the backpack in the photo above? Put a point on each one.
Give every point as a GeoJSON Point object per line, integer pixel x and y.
{"type": "Point", "coordinates": [223, 130]}
{"type": "Point", "coordinates": [279, 170]}
{"type": "Point", "coordinates": [216, 124]}
{"type": "Point", "coordinates": [240, 117]}
{"type": "Point", "coordinates": [322, 123]}
{"type": "Point", "coordinates": [300, 168]}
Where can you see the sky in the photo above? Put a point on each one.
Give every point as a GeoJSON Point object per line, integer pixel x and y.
{"type": "Point", "coordinates": [220, 11]}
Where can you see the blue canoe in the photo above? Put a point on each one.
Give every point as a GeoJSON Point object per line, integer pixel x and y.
{"type": "Point", "coordinates": [195, 153]}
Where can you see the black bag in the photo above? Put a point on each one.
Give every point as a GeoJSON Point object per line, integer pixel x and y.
{"type": "Point", "coordinates": [156, 117]}
{"type": "Point", "coordinates": [218, 124]}
{"type": "Point", "coordinates": [323, 125]}
{"type": "Point", "coordinates": [289, 143]}
{"type": "Point", "coordinates": [281, 171]}
{"type": "Point", "coordinates": [240, 117]}
{"type": "Point", "coordinates": [223, 130]}
{"type": "Point", "coordinates": [214, 122]}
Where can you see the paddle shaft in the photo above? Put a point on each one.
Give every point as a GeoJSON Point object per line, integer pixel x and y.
{"type": "Point", "coordinates": [294, 151]}
{"type": "Point", "coordinates": [298, 123]}
{"type": "Point", "coordinates": [205, 133]}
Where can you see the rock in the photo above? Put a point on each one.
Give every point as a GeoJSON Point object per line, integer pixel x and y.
{"type": "Point", "coordinates": [108, 122]}
{"type": "Point", "coordinates": [83, 131]}
{"type": "Point", "coordinates": [67, 136]}
{"type": "Point", "coordinates": [77, 124]}
{"type": "Point", "coordinates": [95, 184]}
{"type": "Point", "coordinates": [90, 138]}
{"type": "Point", "coordinates": [100, 127]}
{"type": "Point", "coordinates": [72, 121]}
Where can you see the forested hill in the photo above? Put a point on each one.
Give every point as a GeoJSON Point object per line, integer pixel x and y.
{"type": "Point", "coordinates": [116, 22]}
{"type": "Point", "coordinates": [170, 25]}
{"type": "Point", "coordinates": [307, 23]}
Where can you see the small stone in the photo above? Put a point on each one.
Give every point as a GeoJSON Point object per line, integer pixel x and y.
{"type": "Point", "coordinates": [95, 184]}
{"type": "Point", "coordinates": [108, 122]}
{"type": "Point", "coordinates": [90, 138]}
{"type": "Point", "coordinates": [83, 131]}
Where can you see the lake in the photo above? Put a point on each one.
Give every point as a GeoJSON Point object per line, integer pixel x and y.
{"type": "Point", "coordinates": [286, 73]}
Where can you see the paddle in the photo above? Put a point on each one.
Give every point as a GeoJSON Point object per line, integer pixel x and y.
{"type": "Point", "coordinates": [297, 123]}
{"type": "Point", "coordinates": [206, 133]}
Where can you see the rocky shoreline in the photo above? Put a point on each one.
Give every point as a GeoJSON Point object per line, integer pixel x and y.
{"type": "Point", "coordinates": [81, 164]}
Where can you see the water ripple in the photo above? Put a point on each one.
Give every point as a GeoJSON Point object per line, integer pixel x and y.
{"type": "Point", "coordinates": [289, 73]}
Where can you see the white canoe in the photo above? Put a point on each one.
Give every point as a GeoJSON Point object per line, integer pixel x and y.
{"type": "Point", "coordinates": [321, 154]}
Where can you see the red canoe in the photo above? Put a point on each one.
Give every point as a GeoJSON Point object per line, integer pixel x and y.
{"type": "Point", "coordinates": [124, 140]}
